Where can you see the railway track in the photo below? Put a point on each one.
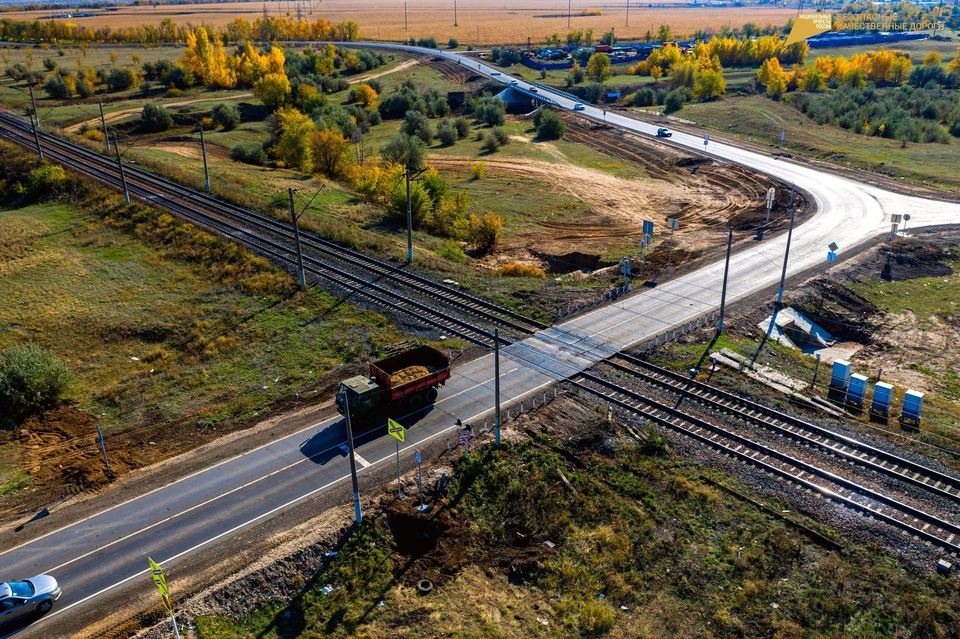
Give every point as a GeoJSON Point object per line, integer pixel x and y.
{"type": "Point", "coordinates": [846, 449]}
{"type": "Point", "coordinates": [804, 475]}
{"type": "Point", "coordinates": [274, 239]}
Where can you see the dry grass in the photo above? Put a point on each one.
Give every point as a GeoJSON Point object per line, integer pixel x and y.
{"type": "Point", "coordinates": [509, 22]}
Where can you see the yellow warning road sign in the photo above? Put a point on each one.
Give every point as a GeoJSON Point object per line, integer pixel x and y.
{"type": "Point", "coordinates": [395, 429]}
{"type": "Point", "coordinates": [161, 580]}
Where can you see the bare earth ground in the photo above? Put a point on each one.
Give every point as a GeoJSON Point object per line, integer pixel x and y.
{"type": "Point", "coordinates": [508, 22]}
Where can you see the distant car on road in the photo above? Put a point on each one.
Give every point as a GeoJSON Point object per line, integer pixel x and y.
{"type": "Point", "coordinates": [533, 90]}
{"type": "Point", "coordinates": [21, 598]}
{"type": "Point", "coordinates": [578, 107]}
{"type": "Point", "coordinates": [494, 73]}
{"type": "Point", "coordinates": [664, 133]}
{"type": "Point", "coordinates": [513, 83]}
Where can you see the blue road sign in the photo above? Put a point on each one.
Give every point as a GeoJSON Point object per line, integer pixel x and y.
{"type": "Point", "coordinates": [831, 256]}
{"type": "Point", "coordinates": [417, 456]}
{"type": "Point", "coordinates": [647, 227]}
{"type": "Point", "coordinates": [783, 135]}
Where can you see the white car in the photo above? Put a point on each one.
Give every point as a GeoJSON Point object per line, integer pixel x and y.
{"type": "Point", "coordinates": [21, 598]}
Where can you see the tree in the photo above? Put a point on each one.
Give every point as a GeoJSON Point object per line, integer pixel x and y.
{"type": "Point", "coordinates": [683, 74]}
{"type": "Point", "coordinates": [330, 152]}
{"type": "Point", "coordinates": [598, 67]}
{"type": "Point", "coordinates": [551, 126]}
{"type": "Point", "coordinates": [709, 84]}
{"type": "Point", "coordinates": [56, 87]}
{"type": "Point", "coordinates": [31, 378]}
{"type": "Point", "coordinates": [814, 80]}
{"type": "Point", "coordinates": [954, 66]}
{"type": "Point", "coordinates": [365, 95]}
{"type": "Point", "coordinates": [453, 44]}
{"type": "Point", "coordinates": [447, 132]}
{"type": "Point", "coordinates": [777, 86]}
{"type": "Point", "coordinates": [154, 118]}
{"type": "Point", "coordinates": [656, 73]}
{"type": "Point", "coordinates": [226, 116]}
{"type": "Point", "coordinates": [405, 150]}
{"type": "Point", "coordinates": [489, 110]}
{"type": "Point", "coordinates": [462, 126]}
{"type": "Point", "coordinates": [272, 89]}
{"type": "Point", "coordinates": [293, 141]}
{"type": "Point", "coordinates": [675, 100]}
{"type": "Point", "coordinates": [416, 123]}
{"type": "Point", "coordinates": [901, 68]}
{"type": "Point", "coordinates": [932, 59]}
{"type": "Point", "coordinates": [120, 79]}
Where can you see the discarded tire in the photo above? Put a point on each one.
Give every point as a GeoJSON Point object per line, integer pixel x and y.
{"type": "Point", "coordinates": [424, 586]}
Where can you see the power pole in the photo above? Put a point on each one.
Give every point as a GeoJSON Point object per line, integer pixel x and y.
{"type": "Point", "coordinates": [723, 290]}
{"type": "Point", "coordinates": [454, 12]}
{"type": "Point", "coordinates": [36, 114]}
{"type": "Point", "coordinates": [203, 150]}
{"type": "Point", "coordinates": [296, 237]}
{"type": "Point", "coordinates": [409, 221]}
{"type": "Point", "coordinates": [628, 14]}
{"type": "Point", "coordinates": [103, 121]}
{"type": "Point", "coordinates": [496, 384]}
{"type": "Point", "coordinates": [35, 123]}
{"type": "Point", "coordinates": [568, 13]}
{"type": "Point", "coordinates": [404, 16]}
{"type": "Point", "coordinates": [358, 513]}
{"type": "Point", "coordinates": [123, 178]}
{"type": "Point", "coordinates": [786, 255]}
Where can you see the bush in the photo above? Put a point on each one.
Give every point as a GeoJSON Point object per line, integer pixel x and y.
{"type": "Point", "coordinates": [489, 110]}
{"type": "Point", "coordinates": [491, 144]}
{"type": "Point", "coordinates": [56, 87]}
{"type": "Point", "coordinates": [644, 98]}
{"type": "Point", "coordinates": [450, 250]}
{"type": "Point", "coordinates": [676, 99]}
{"type": "Point", "coordinates": [551, 126]}
{"type": "Point", "coordinates": [31, 378]}
{"type": "Point", "coordinates": [462, 126]}
{"type": "Point", "coordinates": [120, 79]}
{"type": "Point", "coordinates": [447, 133]}
{"type": "Point", "coordinates": [484, 232]}
{"type": "Point", "coordinates": [501, 135]}
{"type": "Point", "coordinates": [453, 44]}
{"type": "Point", "coordinates": [248, 153]}
{"type": "Point", "coordinates": [478, 169]}
{"type": "Point", "coordinates": [512, 269]}
{"type": "Point", "coordinates": [593, 92]}
{"type": "Point", "coordinates": [416, 123]}
{"type": "Point", "coordinates": [46, 179]}
{"type": "Point", "coordinates": [155, 118]}
{"type": "Point", "coordinates": [226, 116]}
{"type": "Point", "coordinates": [405, 150]}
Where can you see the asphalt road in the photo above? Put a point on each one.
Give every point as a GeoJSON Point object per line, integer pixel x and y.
{"type": "Point", "coordinates": [107, 551]}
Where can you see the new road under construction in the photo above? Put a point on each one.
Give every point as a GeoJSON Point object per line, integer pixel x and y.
{"type": "Point", "coordinates": [99, 558]}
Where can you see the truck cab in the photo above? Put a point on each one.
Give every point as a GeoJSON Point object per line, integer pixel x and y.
{"type": "Point", "coordinates": [364, 394]}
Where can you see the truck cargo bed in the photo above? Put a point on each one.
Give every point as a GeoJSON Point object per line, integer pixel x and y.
{"type": "Point", "coordinates": [428, 367]}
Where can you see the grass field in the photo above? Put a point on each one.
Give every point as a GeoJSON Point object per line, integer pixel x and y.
{"type": "Point", "coordinates": [641, 544]}
{"type": "Point", "coordinates": [509, 22]}
{"type": "Point", "coordinates": [760, 119]}
{"type": "Point", "coordinates": [140, 327]}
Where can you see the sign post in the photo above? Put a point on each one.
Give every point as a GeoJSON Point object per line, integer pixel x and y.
{"type": "Point", "coordinates": [161, 581]}
{"type": "Point", "coordinates": [396, 431]}
{"type": "Point", "coordinates": [673, 224]}
{"type": "Point", "coordinates": [771, 193]}
{"type": "Point", "coordinates": [419, 459]}
{"type": "Point", "coordinates": [831, 258]}
{"type": "Point", "coordinates": [783, 136]}
{"type": "Point", "coordinates": [463, 436]}
{"type": "Point", "coordinates": [706, 140]}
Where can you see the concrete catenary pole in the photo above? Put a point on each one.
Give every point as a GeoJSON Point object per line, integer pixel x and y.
{"type": "Point", "coordinates": [358, 513]}
{"type": "Point", "coordinates": [203, 151]}
{"type": "Point", "coordinates": [723, 289]}
{"type": "Point", "coordinates": [35, 122]}
{"type": "Point", "coordinates": [496, 384]}
{"type": "Point", "coordinates": [123, 177]}
{"type": "Point", "coordinates": [786, 254]}
{"type": "Point", "coordinates": [103, 122]}
{"type": "Point", "coordinates": [409, 221]}
{"type": "Point", "coordinates": [296, 238]}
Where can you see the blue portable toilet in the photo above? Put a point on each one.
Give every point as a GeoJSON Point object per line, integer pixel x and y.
{"type": "Point", "coordinates": [841, 374]}
{"type": "Point", "coordinates": [912, 403]}
{"type": "Point", "coordinates": [857, 390]}
{"type": "Point", "coordinates": [882, 394]}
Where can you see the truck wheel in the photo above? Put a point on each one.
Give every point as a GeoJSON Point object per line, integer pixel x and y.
{"type": "Point", "coordinates": [415, 402]}
{"type": "Point", "coordinates": [431, 395]}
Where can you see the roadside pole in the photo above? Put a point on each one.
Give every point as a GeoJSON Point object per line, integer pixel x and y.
{"type": "Point", "coordinates": [771, 193]}
{"type": "Point", "coordinates": [409, 216]}
{"type": "Point", "coordinates": [358, 513]}
{"type": "Point", "coordinates": [123, 177]}
{"type": "Point", "coordinates": [103, 121]}
{"type": "Point", "coordinates": [496, 385]}
{"type": "Point", "coordinates": [672, 224]}
{"type": "Point", "coordinates": [396, 431]}
{"type": "Point", "coordinates": [203, 151]}
{"type": "Point", "coordinates": [103, 447]}
{"type": "Point", "coordinates": [296, 237]}
{"type": "Point", "coordinates": [419, 459]}
{"type": "Point", "coordinates": [786, 256]}
{"type": "Point", "coordinates": [36, 114]}
{"type": "Point", "coordinates": [160, 580]}
{"type": "Point", "coordinates": [723, 290]}
{"type": "Point", "coordinates": [35, 122]}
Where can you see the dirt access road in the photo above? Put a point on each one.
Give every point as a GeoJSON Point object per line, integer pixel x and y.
{"type": "Point", "coordinates": [116, 116]}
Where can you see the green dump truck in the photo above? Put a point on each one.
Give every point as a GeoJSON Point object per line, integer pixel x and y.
{"type": "Point", "coordinates": [398, 384]}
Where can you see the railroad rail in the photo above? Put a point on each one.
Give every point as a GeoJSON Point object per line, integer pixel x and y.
{"type": "Point", "coordinates": [799, 430]}
{"type": "Point", "coordinates": [841, 490]}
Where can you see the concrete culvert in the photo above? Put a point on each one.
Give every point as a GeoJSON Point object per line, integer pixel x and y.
{"type": "Point", "coordinates": [424, 586]}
